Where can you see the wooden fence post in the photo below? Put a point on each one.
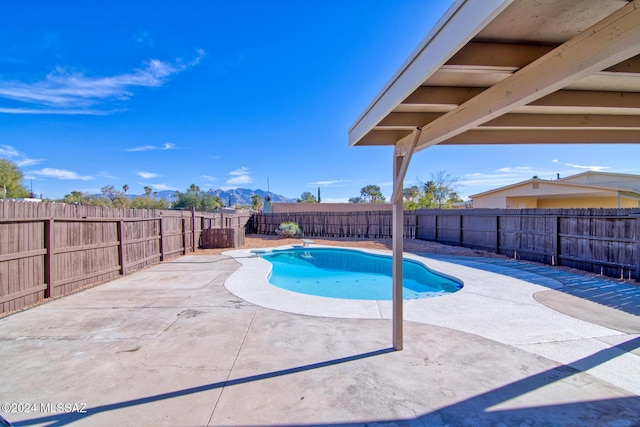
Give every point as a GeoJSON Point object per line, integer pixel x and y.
{"type": "Point", "coordinates": [48, 256]}
{"type": "Point", "coordinates": [497, 240]}
{"type": "Point", "coordinates": [193, 225]}
{"type": "Point", "coordinates": [120, 226]}
{"type": "Point", "coordinates": [556, 241]}
{"type": "Point", "coordinates": [184, 236]}
{"type": "Point", "coordinates": [637, 248]}
{"type": "Point", "coordinates": [162, 257]}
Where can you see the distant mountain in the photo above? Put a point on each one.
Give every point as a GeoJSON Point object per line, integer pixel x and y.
{"type": "Point", "coordinates": [238, 196]}
{"type": "Point", "coordinates": [242, 196]}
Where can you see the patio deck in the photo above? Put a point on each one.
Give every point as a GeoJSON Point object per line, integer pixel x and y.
{"type": "Point", "coordinates": [172, 346]}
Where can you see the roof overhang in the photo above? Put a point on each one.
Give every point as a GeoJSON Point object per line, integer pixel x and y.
{"type": "Point", "coordinates": [515, 72]}
{"type": "Point", "coordinates": [508, 72]}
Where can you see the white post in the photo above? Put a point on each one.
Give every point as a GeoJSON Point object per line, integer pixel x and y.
{"type": "Point", "coordinates": [398, 215]}
{"type": "Point", "coordinates": [401, 159]}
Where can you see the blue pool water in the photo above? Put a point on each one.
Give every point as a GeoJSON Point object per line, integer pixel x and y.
{"type": "Point", "coordinates": [352, 274]}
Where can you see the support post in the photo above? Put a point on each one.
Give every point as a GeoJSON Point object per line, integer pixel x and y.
{"type": "Point", "coordinates": [401, 159]}
{"type": "Point", "coordinates": [398, 314]}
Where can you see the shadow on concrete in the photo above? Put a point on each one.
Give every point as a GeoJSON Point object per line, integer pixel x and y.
{"type": "Point", "coordinates": [478, 410]}
{"type": "Point", "coordinates": [621, 296]}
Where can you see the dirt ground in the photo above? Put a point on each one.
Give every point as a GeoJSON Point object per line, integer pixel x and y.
{"type": "Point", "coordinates": [257, 241]}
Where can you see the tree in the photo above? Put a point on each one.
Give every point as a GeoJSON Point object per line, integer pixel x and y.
{"type": "Point", "coordinates": [319, 199]}
{"type": "Point", "coordinates": [125, 188]}
{"type": "Point", "coordinates": [444, 190]}
{"type": "Point", "coordinates": [307, 197]}
{"type": "Point", "coordinates": [145, 202]}
{"type": "Point", "coordinates": [411, 195]}
{"type": "Point", "coordinates": [356, 199]}
{"type": "Point", "coordinates": [11, 181]}
{"type": "Point", "coordinates": [194, 198]}
{"type": "Point", "coordinates": [439, 192]}
{"type": "Point", "coordinates": [115, 198]}
{"type": "Point", "coordinates": [73, 198]}
{"type": "Point", "coordinates": [147, 191]}
{"type": "Point", "coordinates": [256, 202]}
{"type": "Point", "coordinates": [109, 192]}
{"type": "Point", "coordinates": [372, 194]}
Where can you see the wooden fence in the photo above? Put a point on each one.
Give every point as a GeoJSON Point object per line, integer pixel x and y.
{"type": "Point", "coordinates": [51, 249]}
{"type": "Point", "coordinates": [603, 241]}
{"type": "Point", "coordinates": [360, 224]}
{"type": "Point", "coordinates": [221, 238]}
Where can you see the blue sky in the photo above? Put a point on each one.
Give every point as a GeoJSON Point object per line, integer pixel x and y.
{"type": "Point", "coordinates": [229, 94]}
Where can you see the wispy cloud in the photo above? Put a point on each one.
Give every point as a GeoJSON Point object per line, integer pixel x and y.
{"type": "Point", "coordinates": [9, 152]}
{"type": "Point", "coordinates": [573, 165]}
{"type": "Point", "coordinates": [159, 186]}
{"type": "Point", "coordinates": [329, 183]}
{"type": "Point", "coordinates": [167, 146]}
{"type": "Point", "coordinates": [69, 92]}
{"type": "Point", "coordinates": [501, 177]}
{"type": "Point", "coordinates": [210, 178]}
{"type": "Point", "coordinates": [164, 187]}
{"type": "Point", "coordinates": [147, 175]}
{"type": "Point", "coordinates": [239, 176]}
{"type": "Point", "coordinates": [517, 170]}
{"type": "Point", "coordinates": [60, 174]}
{"type": "Point", "coordinates": [107, 175]}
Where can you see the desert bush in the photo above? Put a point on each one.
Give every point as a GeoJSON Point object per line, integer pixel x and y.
{"type": "Point", "coordinates": [288, 229]}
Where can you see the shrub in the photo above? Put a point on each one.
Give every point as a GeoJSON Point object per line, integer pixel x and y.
{"type": "Point", "coordinates": [288, 229]}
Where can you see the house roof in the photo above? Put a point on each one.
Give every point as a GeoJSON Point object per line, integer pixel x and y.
{"type": "Point", "coordinates": [515, 72]}
{"type": "Point", "coordinates": [594, 189]}
{"type": "Point", "coordinates": [595, 176]}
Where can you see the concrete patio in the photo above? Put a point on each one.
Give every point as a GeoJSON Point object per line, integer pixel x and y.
{"type": "Point", "coordinates": [170, 345]}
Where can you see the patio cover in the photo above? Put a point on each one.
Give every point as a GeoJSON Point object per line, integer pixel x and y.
{"type": "Point", "coordinates": [509, 72]}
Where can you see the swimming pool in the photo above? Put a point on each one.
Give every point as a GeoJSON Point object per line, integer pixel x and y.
{"type": "Point", "coordinates": [351, 274]}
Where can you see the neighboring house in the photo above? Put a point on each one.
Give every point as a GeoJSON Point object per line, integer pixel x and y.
{"type": "Point", "coordinates": [584, 190]}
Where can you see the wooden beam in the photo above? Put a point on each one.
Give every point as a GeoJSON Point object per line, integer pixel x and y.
{"type": "Point", "coordinates": [443, 99]}
{"type": "Point", "coordinates": [609, 42]}
{"type": "Point", "coordinates": [563, 121]}
{"type": "Point", "coordinates": [495, 135]}
{"type": "Point", "coordinates": [507, 55]}
{"type": "Point", "coordinates": [575, 136]}
{"type": "Point", "coordinates": [408, 121]}
{"type": "Point", "coordinates": [512, 56]}
{"type": "Point", "coordinates": [405, 154]}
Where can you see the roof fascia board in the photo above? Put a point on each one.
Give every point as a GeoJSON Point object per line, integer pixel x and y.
{"type": "Point", "coordinates": [555, 183]}
{"type": "Point", "coordinates": [459, 25]}
{"type": "Point", "coordinates": [600, 173]}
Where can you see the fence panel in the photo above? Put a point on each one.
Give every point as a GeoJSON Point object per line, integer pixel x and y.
{"type": "Point", "coordinates": [51, 249]}
{"type": "Point", "coordinates": [612, 241]}
{"type": "Point", "coordinates": [480, 232]}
